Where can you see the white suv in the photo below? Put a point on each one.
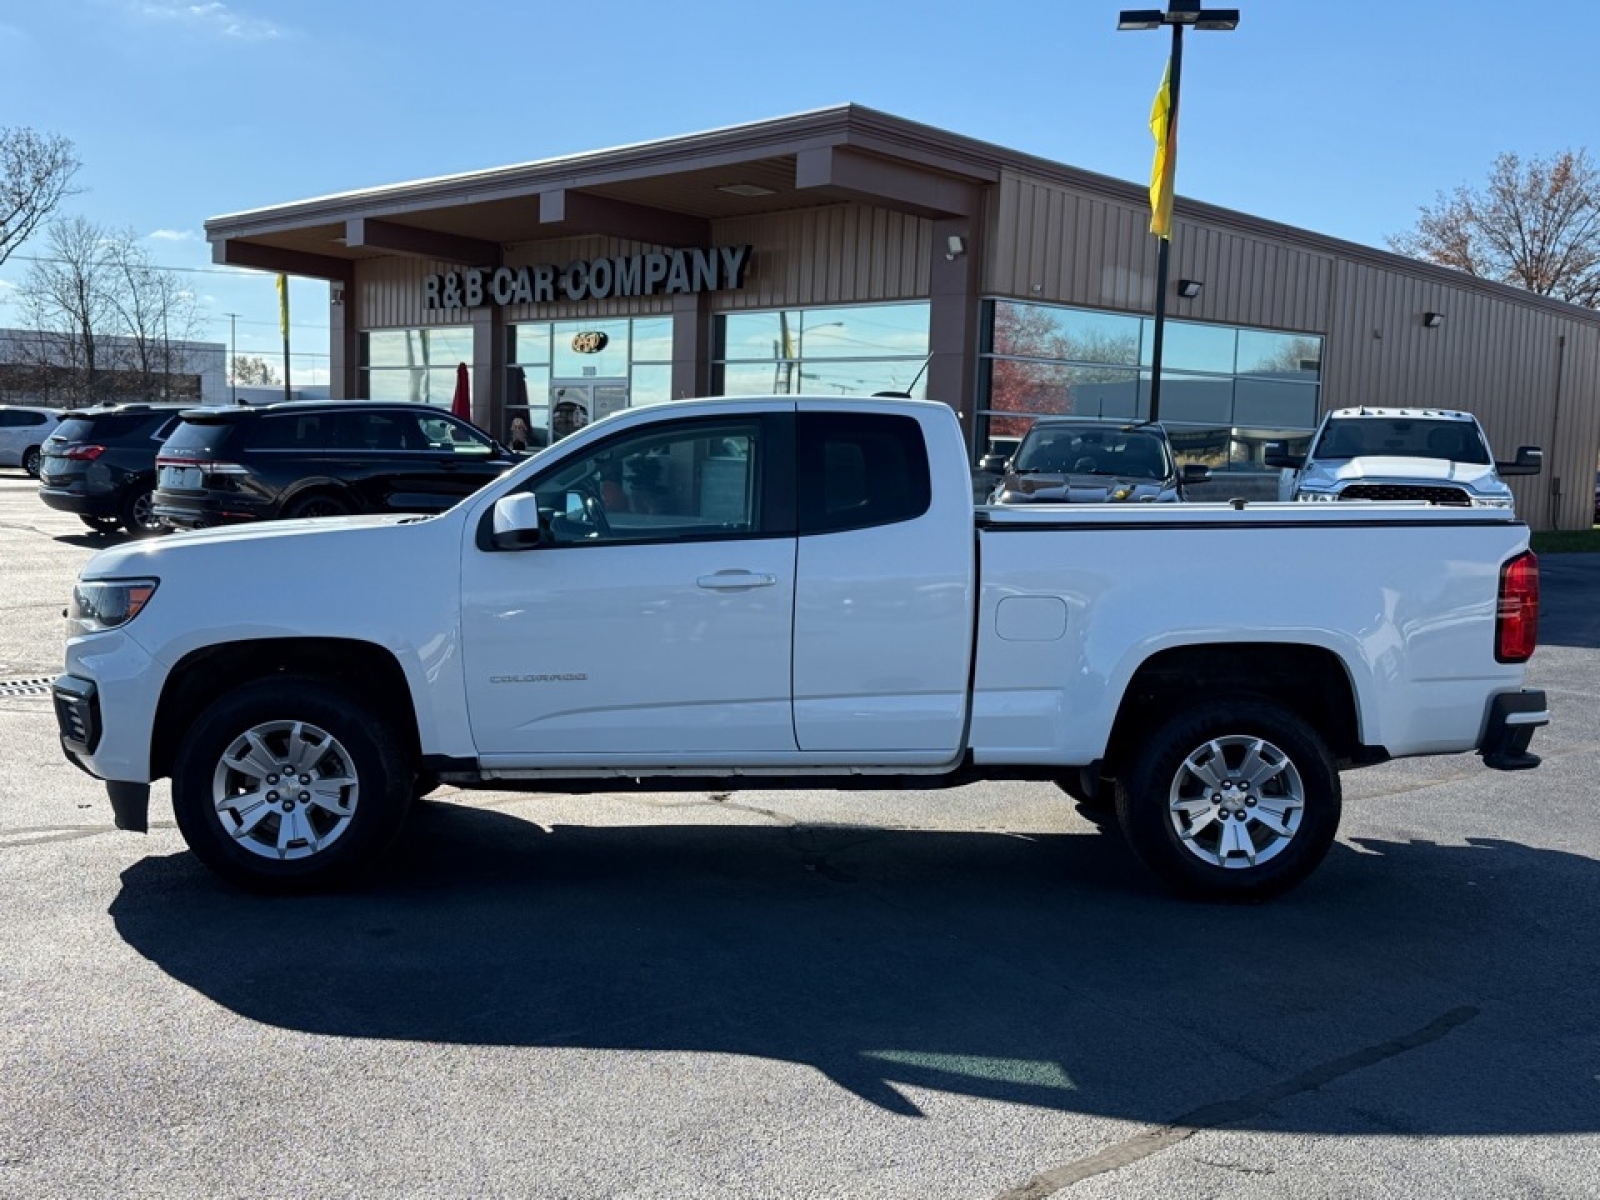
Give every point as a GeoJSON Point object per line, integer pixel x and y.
{"type": "Point", "coordinates": [22, 431]}
{"type": "Point", "coordinates": [1436, 455]}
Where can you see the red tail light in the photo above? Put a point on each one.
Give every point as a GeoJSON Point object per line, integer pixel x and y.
{"type": "Point", "coordinates": [1516, 628]}
{"type": "Point", "coordinates": [85, 452]}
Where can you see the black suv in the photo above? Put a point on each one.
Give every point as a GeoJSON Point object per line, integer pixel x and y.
{"type": "Point", "coordinates": [320, 458]}
{"type": "Point", "coordinates": [100, 463]}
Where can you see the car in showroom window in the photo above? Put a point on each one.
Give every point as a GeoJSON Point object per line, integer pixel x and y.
{"type": "Point", "coordinates": [320, 458]}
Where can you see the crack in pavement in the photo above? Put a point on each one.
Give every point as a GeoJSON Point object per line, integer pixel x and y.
{"type": "Point", "coordinates": [1227, 1112]}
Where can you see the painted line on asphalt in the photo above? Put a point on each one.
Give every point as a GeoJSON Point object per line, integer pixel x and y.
{"type": "Point", "coordinates": [1214, 1116]}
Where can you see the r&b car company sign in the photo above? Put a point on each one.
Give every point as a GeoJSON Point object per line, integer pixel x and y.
{"type": "Point", "coordinates": [663, 273]}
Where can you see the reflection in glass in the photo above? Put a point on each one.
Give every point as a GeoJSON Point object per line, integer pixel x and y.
{"type": "Point", "coordinates": [1038, 331]}
{"type": "Point", "coordinates": [381, 348]}
{"type": "Point", "coordinates": [652, 339]}
{"type": "Point", "coordinates": [528, 344]}
{"type": "Point", "coordinates": [1187, 346]}
{"type": "Point", "coordinates": [853, 351]}
{"type": "Point", "coordinates": [1293, 355]}
{"type": "Point", "coordinates": [651, 384]}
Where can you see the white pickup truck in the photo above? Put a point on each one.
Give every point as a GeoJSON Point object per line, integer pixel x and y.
{"type": "Point", "coordinates": [1438, 456]}
{"type": "Point", "coordinates": [795, 592]}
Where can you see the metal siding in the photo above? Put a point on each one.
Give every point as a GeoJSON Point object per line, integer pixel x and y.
{"type": "Point", "coordinates": [846, 254]}
{"type": "Point", "coordinates": [1058, 246]}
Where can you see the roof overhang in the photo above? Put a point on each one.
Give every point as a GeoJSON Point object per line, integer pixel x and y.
{"type": "Point", "coordinates": [666, 193]}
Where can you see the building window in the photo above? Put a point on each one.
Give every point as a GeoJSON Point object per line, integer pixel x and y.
{"type": "Point", "coordinates": [414, 364]}
{"type": "Point", "coordinates": [629, 358]}
{"type": "Point", "coordinates": [1225, 390]}
{"type": "Point", "coordinates": [856, 351]}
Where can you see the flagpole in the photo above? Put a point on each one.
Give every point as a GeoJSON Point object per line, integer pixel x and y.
{"type": "Point", "coordinates": [283, 326]}
{"type": "Point", "coordinates": [1164, 255]}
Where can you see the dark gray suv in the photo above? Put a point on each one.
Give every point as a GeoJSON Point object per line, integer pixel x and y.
{"type": "Point", "coordinates": [100, 463]}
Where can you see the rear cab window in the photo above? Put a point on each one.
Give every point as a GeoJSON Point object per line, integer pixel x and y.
{"type": "Point", "coordinates": [857, 470]}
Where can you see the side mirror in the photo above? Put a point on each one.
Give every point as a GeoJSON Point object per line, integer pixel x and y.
{"type": "Point", "coordinates": [992, 462]}
{"type": "Point", "coordinates": [516, 522]}
{"type": "Point", "coordinates": [1196, 473]}
{"type": "Point", "coordinates": [1529, 461]}
{"type": "Point", "coordinates": [1276, 454]}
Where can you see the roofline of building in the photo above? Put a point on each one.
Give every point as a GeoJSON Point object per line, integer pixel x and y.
{"type": "Point", "coordinates": [844, 125]}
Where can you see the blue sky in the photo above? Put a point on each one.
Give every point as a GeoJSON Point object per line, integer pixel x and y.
{"type": "Point", "coordinates": [1343, 118]}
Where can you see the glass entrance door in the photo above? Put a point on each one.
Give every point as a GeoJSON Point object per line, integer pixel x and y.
{"type": "Point", "coordinates": [574, 403]}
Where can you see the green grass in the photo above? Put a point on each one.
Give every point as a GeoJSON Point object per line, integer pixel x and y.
{"type": "Point", "coordinates": [1567, 541]}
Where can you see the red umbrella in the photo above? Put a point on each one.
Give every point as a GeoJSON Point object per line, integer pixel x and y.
{"type": "Point", "coordinates": [461, 402]}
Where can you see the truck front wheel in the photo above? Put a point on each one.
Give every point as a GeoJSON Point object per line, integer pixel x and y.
{"type": "Point", "coordinates": [1231, 800]}
{"type": "Point", "coordinates": [290, 784]}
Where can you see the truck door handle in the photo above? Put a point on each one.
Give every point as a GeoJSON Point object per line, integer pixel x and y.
{"type": "Point", "coordinates": [735, 581]}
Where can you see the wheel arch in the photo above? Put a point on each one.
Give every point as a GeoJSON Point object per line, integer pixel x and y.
{"type": "Point", "coordinates": [1312, 681]}
{"type": "Point", "coordinates": [320, 487]}
{"type": "Point", "coordinates": [369, 671]}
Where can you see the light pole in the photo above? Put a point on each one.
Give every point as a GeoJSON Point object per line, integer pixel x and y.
{"type": "Point", "coordinates": [1179, 14]}
{"type": "Point", "coordinates": [233, 357]}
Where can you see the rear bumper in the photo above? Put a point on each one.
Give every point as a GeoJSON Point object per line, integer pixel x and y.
{"type": "Point", "coordinates": [82, 504]}
{"type": "Point", "coordinates": [184, 512]}
{"type": "Point", "coordinates": [1513, 716]}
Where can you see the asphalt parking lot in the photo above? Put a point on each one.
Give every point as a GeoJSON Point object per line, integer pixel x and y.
{"type": "Point", "coordinates": [973, 993]}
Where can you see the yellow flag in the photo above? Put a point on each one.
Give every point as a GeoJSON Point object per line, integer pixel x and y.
{"type": "Point", "coordinates": [283, 305]}
{"type": "Point", "coordinates": [1164, 128]}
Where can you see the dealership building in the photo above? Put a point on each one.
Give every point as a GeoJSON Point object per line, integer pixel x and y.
{"type": "Point", "coordinates": [850, 252]}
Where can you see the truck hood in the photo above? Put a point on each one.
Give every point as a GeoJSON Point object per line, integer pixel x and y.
{"type": "Point", "coordinates": [1047, 488]}
{"type": "Point", "coordinates": [1336, 472]}
{"type": "Point", "coordinates": [323, 538]}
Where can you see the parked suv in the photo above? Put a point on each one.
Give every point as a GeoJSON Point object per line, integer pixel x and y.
{"type": "Point", "coordinates": [1079, 461]}
{"type": "Point", "coordinates": [23, 430]}
{"type": "Point", "coordinates": [320, 458]}
{"type": "Point", "coordinates": [100, 463]}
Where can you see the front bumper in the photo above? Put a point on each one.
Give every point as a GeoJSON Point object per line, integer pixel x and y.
{"type": "Point", "coordinates": [77, 705]}
{"type": "Point", "coordinates": [1513, 716]}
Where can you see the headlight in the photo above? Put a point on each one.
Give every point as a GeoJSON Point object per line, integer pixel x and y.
{"type": "Point", "coordinates": [1317, 496]}
{"type": "Point", "coordinates": [108, 603]}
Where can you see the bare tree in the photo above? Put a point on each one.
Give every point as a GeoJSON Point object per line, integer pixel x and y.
{"type": "Point", "coordinates": [157, 319]}
{"type": "Point", "coordinates": [69, 304]}
{"type": "Point", "coordinates": [251, 369]}
{"type": "Point", "coordinates": [35, 175]}
{"type": "Point", "coordinates": [1535, 224]}
{"type": "Point", "coordinates": [103, 322]}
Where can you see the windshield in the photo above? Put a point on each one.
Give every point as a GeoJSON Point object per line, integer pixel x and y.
{"type": "Point", "coordinates": [1403, 437]}
{"type": "Point", "coordinates": [1077, 450]}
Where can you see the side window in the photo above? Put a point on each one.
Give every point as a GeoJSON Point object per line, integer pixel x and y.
{"type": "Point", "coordinates": [285, 431]}
{"type": "Point", "coordinates": [860, 469]}
{"type": "Point", "coordinates": [443, 434]}
{"type": "Point", "coordinates": [8, 419]}
{"type": "Point", "coordinates": [689, 483]}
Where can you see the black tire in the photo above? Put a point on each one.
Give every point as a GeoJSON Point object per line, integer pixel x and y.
{"type": "Point", "coordinates": [138, 516]}
{"type": "Point", "coordinates": [1294, 790]}
{"type": "Point", "coordinates": [332, 739]}
{"type": "Point", "coordinates": [102, 524]}
{"type": "Point", "coordinates": [318, 504]}
{"type": "Point", "coordinates": [30, 461]}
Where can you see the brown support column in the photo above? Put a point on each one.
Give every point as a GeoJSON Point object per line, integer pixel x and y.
{"type": "Point", "coordinates": [953, 318]}
{"type": "Point", "coordinates": [344, 342]}
{"type": "Point", "coordinates": [489, 369]}
{"type": "Point", "coordinates": [691, 346]}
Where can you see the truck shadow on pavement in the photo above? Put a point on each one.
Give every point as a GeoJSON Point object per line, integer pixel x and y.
{"type": "Point", "coordinates": [1444, 990]}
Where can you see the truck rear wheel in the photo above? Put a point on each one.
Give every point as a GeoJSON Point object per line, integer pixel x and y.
{"type": "Point", "coordinates": [290, 784]}
{"type": "Point", "coordinates": [1231, 800]}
